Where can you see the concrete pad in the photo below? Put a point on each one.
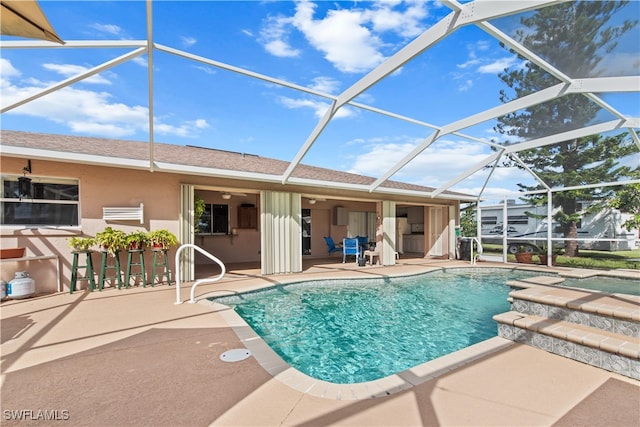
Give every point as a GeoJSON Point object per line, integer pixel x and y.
{"type": "Point", "coordinates": [133, 357]}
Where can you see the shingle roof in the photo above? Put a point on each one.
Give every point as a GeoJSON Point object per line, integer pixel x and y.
{"type": "Point", "coordinates": [187, 156]}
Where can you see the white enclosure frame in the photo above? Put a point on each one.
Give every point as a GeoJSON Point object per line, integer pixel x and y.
{"type": "Point", "coordinates": [478, 13]}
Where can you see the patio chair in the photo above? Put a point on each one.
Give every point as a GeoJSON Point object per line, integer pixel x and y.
{"type": "Point", "coordinates": [351, 247]}
{"type": "Point", "coordinates": [374, 254]}
{"type": "Point", "coordinates": [363, 241]}
{"type": "Point", "coordinates": [332, 246]}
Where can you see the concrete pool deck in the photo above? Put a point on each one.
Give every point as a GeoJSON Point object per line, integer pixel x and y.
{"type": "Point", "coordinates": [133, 357]}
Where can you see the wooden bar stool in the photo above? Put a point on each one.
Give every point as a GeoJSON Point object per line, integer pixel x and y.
{"type": "Point", "coordinates": [88, 266]}
{"type": "Point", "coordinates": [115, 266]}
{"type": "Point", "coordinates": [163, 264]}
{"type": "Point", "coordinates": [140, 263]}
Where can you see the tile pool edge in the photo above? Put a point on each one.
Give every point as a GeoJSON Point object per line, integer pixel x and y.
{"type": "Point", "coordinates": [291, 377]}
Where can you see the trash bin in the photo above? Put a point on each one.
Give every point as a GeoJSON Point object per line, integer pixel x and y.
{"type": "Point", "coordinates": [465, 248]}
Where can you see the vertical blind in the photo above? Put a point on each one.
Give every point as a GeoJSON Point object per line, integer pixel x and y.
{"type": "Point", "coordinates": [186, 232]}
{"type": "Point", "coordinates": [281, 224]}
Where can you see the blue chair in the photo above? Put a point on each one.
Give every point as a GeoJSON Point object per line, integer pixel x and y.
{"type": "Point", "coordinates": [362, 242]}
{"type": "Point", "coordinates": [351, 247]}
{"type": "Point", "coordinates": [332, 246]}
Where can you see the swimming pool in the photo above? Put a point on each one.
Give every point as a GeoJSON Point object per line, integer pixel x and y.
{"type": "Point", "coordinates": [361, 330]}
{"type": "Point", "coordinates": [605, 284]}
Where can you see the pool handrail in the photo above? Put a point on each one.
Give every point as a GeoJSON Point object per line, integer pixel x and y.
{"type": "Point", "coordinates": [473, 259]}
{"type": "Point", "coordinates": [200, 281]}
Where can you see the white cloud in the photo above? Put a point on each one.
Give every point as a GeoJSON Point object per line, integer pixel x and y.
{"type": "Point", "coordinates": [188, 41]}
{"type": "Point", "coordinates": [618, 64]}
{"type": "Point", "coordinates": [345, 42]}
{"type": "Point", "coordinates": [349, 39]}
{"type": "Point", "coordinates": [406, 23]}
{"type": "Point", "coordinates": [465, 86]}
{"type": "Point", "coordinates": [7, 71]}
{"type": "Point", "coordinates": [319, 108]}
{"type": "Point", "coordinates": [108, 29]}
{"type": "Point", "coordinates": [438, 164]}
{"type": "Point", "coordinates": [141, 61]}
{"type": "Point", "coordinates": [70, 70]}
{"type": "Point", "coordinates": [498, 65]}
{"type": "Point", "coordinates": [325, 84]}
{"type": "Point", "coordinates": [205, 69]}
{"type": "Point", "coordinates": [85, 111]}
{"type": "Point", "coordinates": [274, 37]}
{"type": "Point", "coordinates": [479, 63]}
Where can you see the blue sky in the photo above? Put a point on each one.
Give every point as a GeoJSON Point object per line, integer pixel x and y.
{"type": "Point", "coordinates": [327, 46]}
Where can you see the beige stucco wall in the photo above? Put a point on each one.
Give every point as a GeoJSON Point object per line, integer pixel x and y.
{"type": "Point", "coordinates": [99, 187]}
{"type": "Point", "coordinates": [159, 192]}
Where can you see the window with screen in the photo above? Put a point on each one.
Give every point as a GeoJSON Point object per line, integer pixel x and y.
{"type": "Point", "coordinates": [39, 201]}
{"type": "Point", "coordinates": [214, 220]}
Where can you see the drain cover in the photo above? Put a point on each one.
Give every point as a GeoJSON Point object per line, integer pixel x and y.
{"type": "Point", "coordinates": [235, 355]}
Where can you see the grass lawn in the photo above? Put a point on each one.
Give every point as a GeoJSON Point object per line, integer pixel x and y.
{"type": "Point", "coordinates": [603, 260]}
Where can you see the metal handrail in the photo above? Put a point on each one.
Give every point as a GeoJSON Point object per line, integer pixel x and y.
{"type": "Point", "coordinates": [473, 259]}
{"type": "Point", "coordinates": [200, 281]}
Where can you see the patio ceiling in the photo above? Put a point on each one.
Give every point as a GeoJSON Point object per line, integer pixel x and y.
{"type": "Point", "coordinates": [486, 15]}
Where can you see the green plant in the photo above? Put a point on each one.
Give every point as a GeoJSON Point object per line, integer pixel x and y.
{"type": "Point", "coordinates": [542, 249]}
{"type": "Point", "coordinates": [112, 240]}
{"type": "Point", "coordinates": [137, 239]}
{"type": "Point", "coordinates": [198, 210]}
{"type": "Point", "coordinates": [162, 238]}
{"type": "Point", "coordinates": [83, 244]}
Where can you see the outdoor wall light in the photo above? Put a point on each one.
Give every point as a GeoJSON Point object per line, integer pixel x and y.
{"type": "Point", "coordinates": [24, 183]}
{"type": "Point", "coordinates": [312, 201]}
{"type": "Point", "coordinates": [226, 196]}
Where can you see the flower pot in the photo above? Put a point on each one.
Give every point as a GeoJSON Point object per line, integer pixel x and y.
{"type": "Point", "coordinates": [543, 259]}
{"type": "Point", "coordinates": [524, 257]}
{"type": "Point", "coordinates": [11, 253]}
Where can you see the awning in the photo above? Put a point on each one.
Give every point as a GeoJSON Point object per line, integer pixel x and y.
{"type": "Point", "coordinates": [24, 18]}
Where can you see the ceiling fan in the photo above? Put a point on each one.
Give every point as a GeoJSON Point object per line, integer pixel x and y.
{"type": "Point", "coordinates": [227, 194]}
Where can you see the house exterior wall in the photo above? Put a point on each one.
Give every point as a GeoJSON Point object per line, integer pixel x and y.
{"type": "Point", "coordinates": [98, 187]}
{"type": "Point", "coordinates": [159, 192]}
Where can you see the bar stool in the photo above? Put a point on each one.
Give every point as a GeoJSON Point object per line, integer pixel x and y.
{"type": "Point", "coordinates": [88, 266]}
{"type": "Point", "coordinates": [115, 266]}
{"type": "Point", "coordinates": [140, 263]}
{"type": "Point", "coordinates": [163, 264]}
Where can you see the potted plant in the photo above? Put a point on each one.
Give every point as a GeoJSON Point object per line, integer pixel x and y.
{"type": "Point", "coordinates": [162, 239]}
{"type": "Point", "coordinates": [137, 239]}
{"type": "Point", "coordinates": [542, 254]}
{"type": "Point", "coordinates": [524, 253]}
{"type": "Point", "coordinates": [111, 240]}
{"type": "Point", "coordinates": [81, 244]}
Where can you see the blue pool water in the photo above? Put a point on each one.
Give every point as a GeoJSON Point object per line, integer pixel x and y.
{"type": "Point", "coordinates": [361, 330]}
{"type": "Point", "coordinates": [606, 284]}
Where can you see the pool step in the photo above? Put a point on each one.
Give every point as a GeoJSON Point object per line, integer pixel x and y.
{"type": "Point", "coordinates": [611, 312]}
{"type": "Point", "coordinates": [599, 329]}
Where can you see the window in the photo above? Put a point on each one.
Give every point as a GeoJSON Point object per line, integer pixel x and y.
{"type": "Point", "coordinates": [489, 220]}
{"type": "Point", "coordinates": [518, 219]}
{"type": "Point", "coordinates": [214, 220]}
{"type": "Point", "coordinates": [51, 202]}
